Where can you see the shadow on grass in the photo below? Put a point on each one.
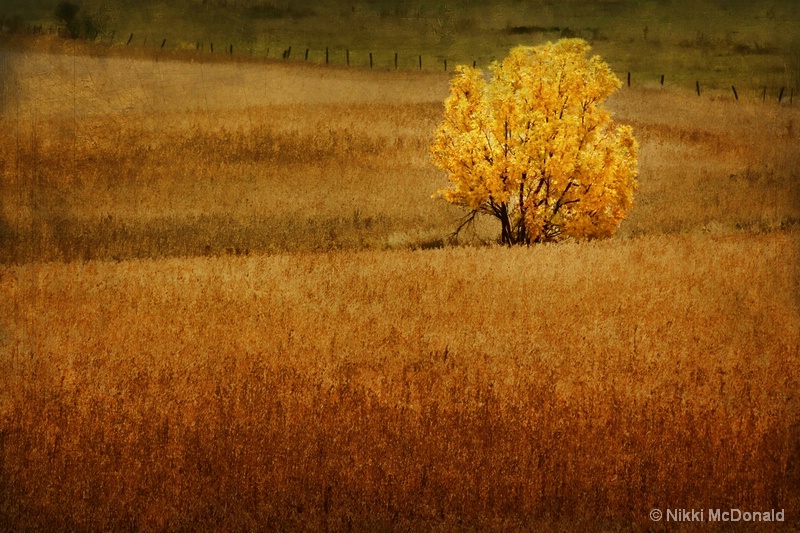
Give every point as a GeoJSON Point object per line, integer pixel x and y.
{"type": "Point", "coordinates": [69, 240]}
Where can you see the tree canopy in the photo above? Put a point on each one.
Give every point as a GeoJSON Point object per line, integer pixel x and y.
{"type": "Point", "coordinates": [534, 146]}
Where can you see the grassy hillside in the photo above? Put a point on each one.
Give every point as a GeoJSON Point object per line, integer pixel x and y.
{"type": "Point", "coordinates": [720, 43]}
{"type": "Point", "coordinates": [115, 158]}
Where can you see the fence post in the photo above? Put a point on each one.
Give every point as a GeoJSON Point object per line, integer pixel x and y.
{"type": "Point", "coordinates": [212, 48]}
{"type": "Point", "coordinates": [163, 42]}
{"type": "Point", "coordinates": [395, 60]}
{"type": "Point", "coordinates": [662, 80]}
{"type": "Point", "coordinates": [629, 79]}
{"type": "Point", "coordinates": [474, 63]}
{"type": "Point", "coordinates": [697, 84]}
{"type": "Point", "coordinates": [306, 54]}
{"type": "Point", "coordinates": [420, 62]}
{"type": "Point", "coordinates": [370, 60]}
{"type": "Point", "coordinates": [780, 96]}
{"type": "Point", "coordinates": [326, 55]}
{"type": "Point", "coordinates": [445, 65]}
{"type": "Point", "coordinates": [129, 40]}
{"type": "Point", "coordinates": [735, 95]}
{"type": "Point", "coordinates": [231, 50]}
{"type": "Point", "coordinates": [791, 96]}
{"type": "Point", "coordinates": [347, 52]}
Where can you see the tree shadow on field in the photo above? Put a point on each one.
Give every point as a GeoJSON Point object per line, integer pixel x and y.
{"type": "Point", "coordinates": [6, 84]}
{"type": "Point", "coordinates": [58, 237]}
{"type": "Point", "coordinates": [7, 96]}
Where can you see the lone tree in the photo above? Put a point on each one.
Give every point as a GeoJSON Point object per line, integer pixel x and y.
{"type": "Point", "coordinates": [535, 148]}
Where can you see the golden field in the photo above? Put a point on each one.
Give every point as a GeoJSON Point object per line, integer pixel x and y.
{"type": "Point", "coordinates": [229, 303]}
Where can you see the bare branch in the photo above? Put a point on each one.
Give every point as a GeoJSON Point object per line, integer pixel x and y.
{"type": "Point", "coordinates": [466, 221]}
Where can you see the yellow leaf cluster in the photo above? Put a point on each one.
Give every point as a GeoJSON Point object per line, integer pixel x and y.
{"type": "Point", "coordinates": [534, 146]}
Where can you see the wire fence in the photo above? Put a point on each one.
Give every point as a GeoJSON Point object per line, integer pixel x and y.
{"type": "Point", "coordinates": [782, 94]}
{"type": "Point", "coordinates": [360, 58]}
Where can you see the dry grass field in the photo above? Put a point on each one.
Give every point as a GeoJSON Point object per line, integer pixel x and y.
{"type": "Point", "coordinates": [227, 302]}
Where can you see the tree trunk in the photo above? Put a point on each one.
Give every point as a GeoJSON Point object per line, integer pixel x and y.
{"type": "Point", "coordinates": [506, 236]}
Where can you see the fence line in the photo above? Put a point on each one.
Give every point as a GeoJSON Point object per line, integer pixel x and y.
{"type": "Point", "coordinates": [442, 62]}
{"type": "Point", "coordinates": [438, 62]}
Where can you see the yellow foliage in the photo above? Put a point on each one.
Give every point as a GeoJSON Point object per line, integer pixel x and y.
{"type": "Point", "coordinates": [535, 148]}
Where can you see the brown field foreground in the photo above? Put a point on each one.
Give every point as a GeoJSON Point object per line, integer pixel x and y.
{"type": "Point", "coordinates": [558, 386]}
